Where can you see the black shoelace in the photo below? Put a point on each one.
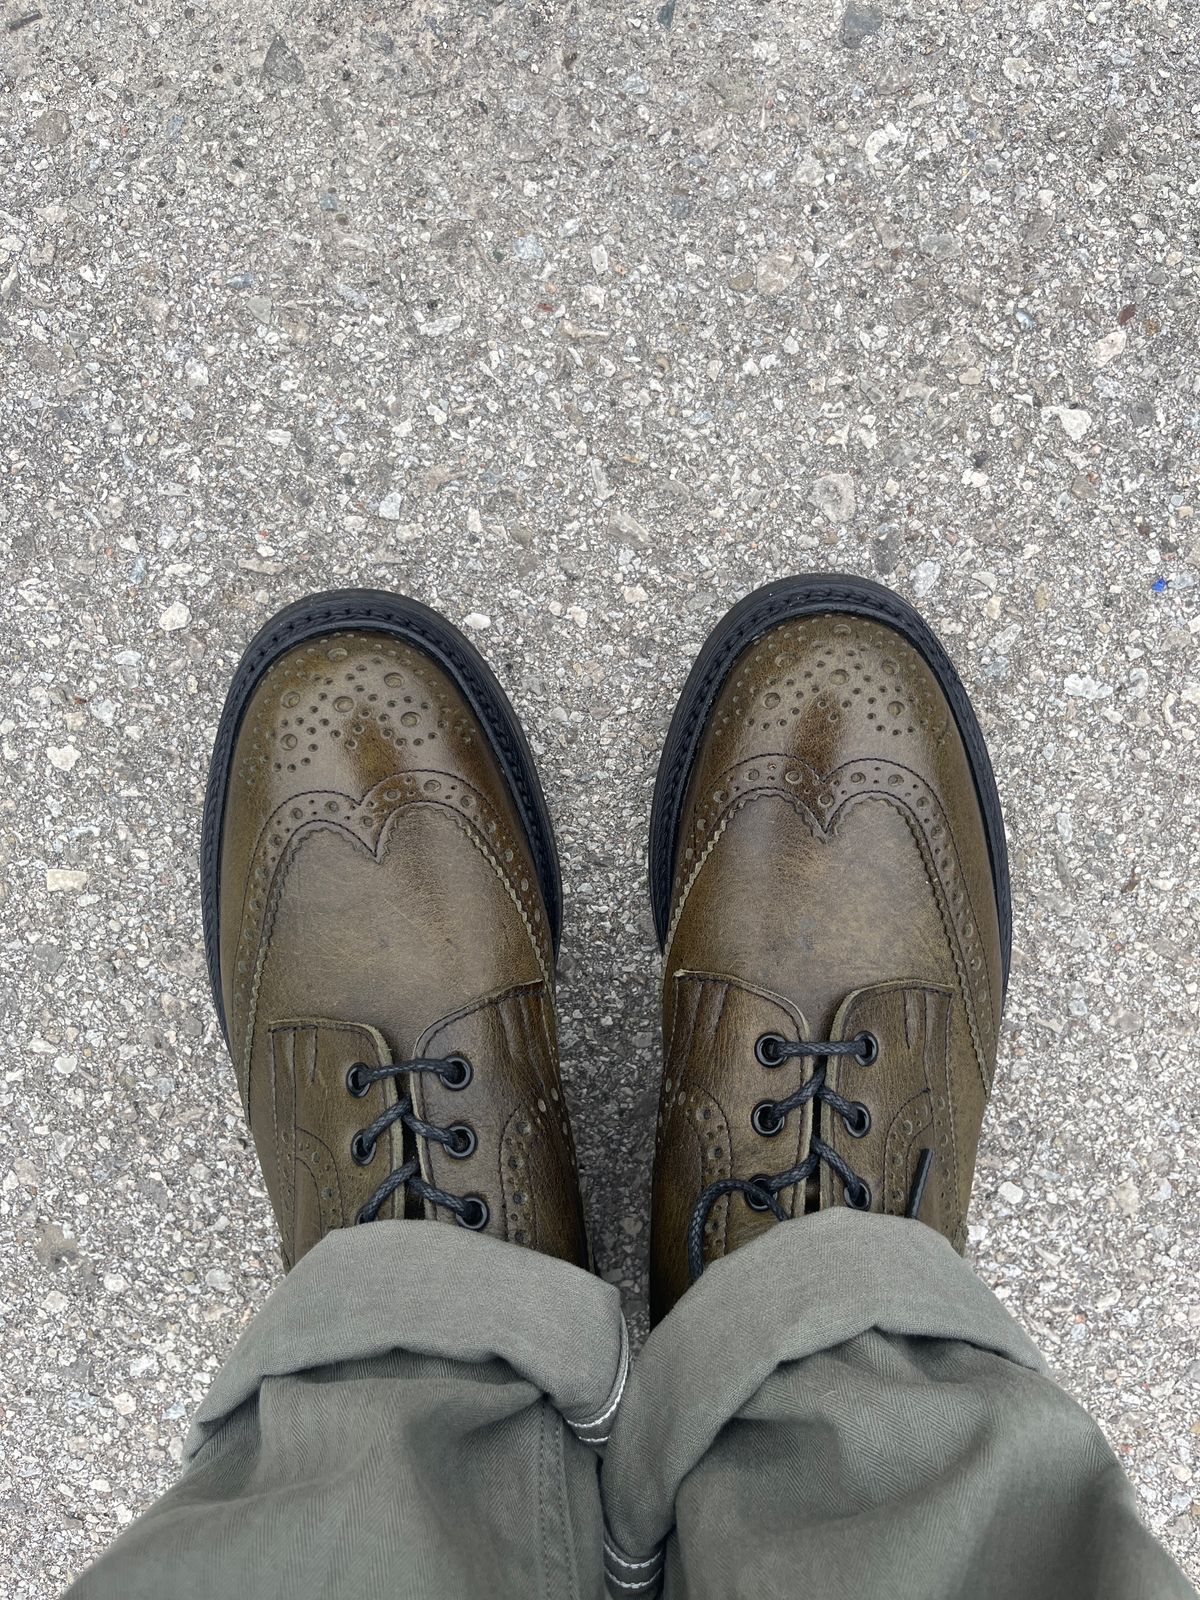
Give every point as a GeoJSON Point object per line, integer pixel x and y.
{"type": "Point", "coordinates": [458, 1140]}
{"type": "Point", "coordinates": [768, 1119]}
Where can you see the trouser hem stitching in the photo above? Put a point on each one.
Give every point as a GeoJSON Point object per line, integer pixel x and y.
{"type": "Point", "coordinates": [630, 1576]}
{"type": "Point", "coordinates": [597, 1428]}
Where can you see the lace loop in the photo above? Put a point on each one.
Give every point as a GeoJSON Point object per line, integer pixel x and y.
{"type": "Point", "coordinates": [768, 1118]}
{"type": "Point", "coordinates": [458, 1140]}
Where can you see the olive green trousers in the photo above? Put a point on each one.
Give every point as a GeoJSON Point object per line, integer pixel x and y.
{"type": "Point", "coordinates": [839, 1411]}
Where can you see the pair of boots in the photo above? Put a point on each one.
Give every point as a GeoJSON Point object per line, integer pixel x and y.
{"type": "Point", "coordinates": [830, 888]}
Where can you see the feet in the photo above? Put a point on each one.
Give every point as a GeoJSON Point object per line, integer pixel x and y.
{"type": "Point", "coordinates": [381, 910]}
{"type": "Point", "coordinates": [830, 885]}
{"type": "Point", "coordinates": [831, 889]}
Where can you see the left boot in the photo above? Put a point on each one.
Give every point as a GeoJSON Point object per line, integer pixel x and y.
{"type": "Point", "coordinates": [830, 885]}
{"type": "Point", "coordinates": [381, 912]}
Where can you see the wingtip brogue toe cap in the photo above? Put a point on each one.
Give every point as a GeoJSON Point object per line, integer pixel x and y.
{"type": "Point", "coordinates": [350, 709]}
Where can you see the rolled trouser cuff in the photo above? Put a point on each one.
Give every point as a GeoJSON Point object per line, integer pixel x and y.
{"type": "Point", "coordinates": [435, 1290]}
{"type": "Point", "coordinates": [804, 1286]}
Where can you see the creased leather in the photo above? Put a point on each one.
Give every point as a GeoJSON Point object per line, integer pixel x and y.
{"type": "Point", "coordinates": [704, 1130]}
{"type": "Point", "coordinates": [313, 1187]}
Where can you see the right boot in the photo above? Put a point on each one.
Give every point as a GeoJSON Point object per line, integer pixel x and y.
{"type": "Point", "coordinates": [830, 887]}
{"type": "Point", "coordinates": [381, 913]}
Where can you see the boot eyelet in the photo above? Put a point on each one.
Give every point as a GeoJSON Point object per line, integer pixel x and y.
{"type": "Point", "coordinates": [858, 1199]}
{"type": "Point", "coordinates": [474, 1214]}
{"type": "Point", "coordinates": [460, 1141]}
{"type": "Point", "coordinates": [766, 1120]}
{"type": "Point", "coordinates": [751, 1201]}
{"type": "Point", "coordinates": [363, 1150]}
{"type": "Point", "coordinates": [868, 1048]}
{"type": "Point", "coordinates": [768, 1049]}
{"type": "Point", "coordinates": [355, 1079]}
{"type": "Point", "coordinates": [859, 1122]}
{"type": "Point", "coordinates": [456, 1072]}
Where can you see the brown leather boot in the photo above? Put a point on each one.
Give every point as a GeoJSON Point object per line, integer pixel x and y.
{"type": "Point", "coordinates": [381, 912]}
{"type": "Point", "coordinates": [830, 886]}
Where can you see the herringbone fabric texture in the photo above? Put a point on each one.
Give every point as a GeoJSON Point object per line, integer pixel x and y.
{"type": "Point", "coordinates": [840, 1410]}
